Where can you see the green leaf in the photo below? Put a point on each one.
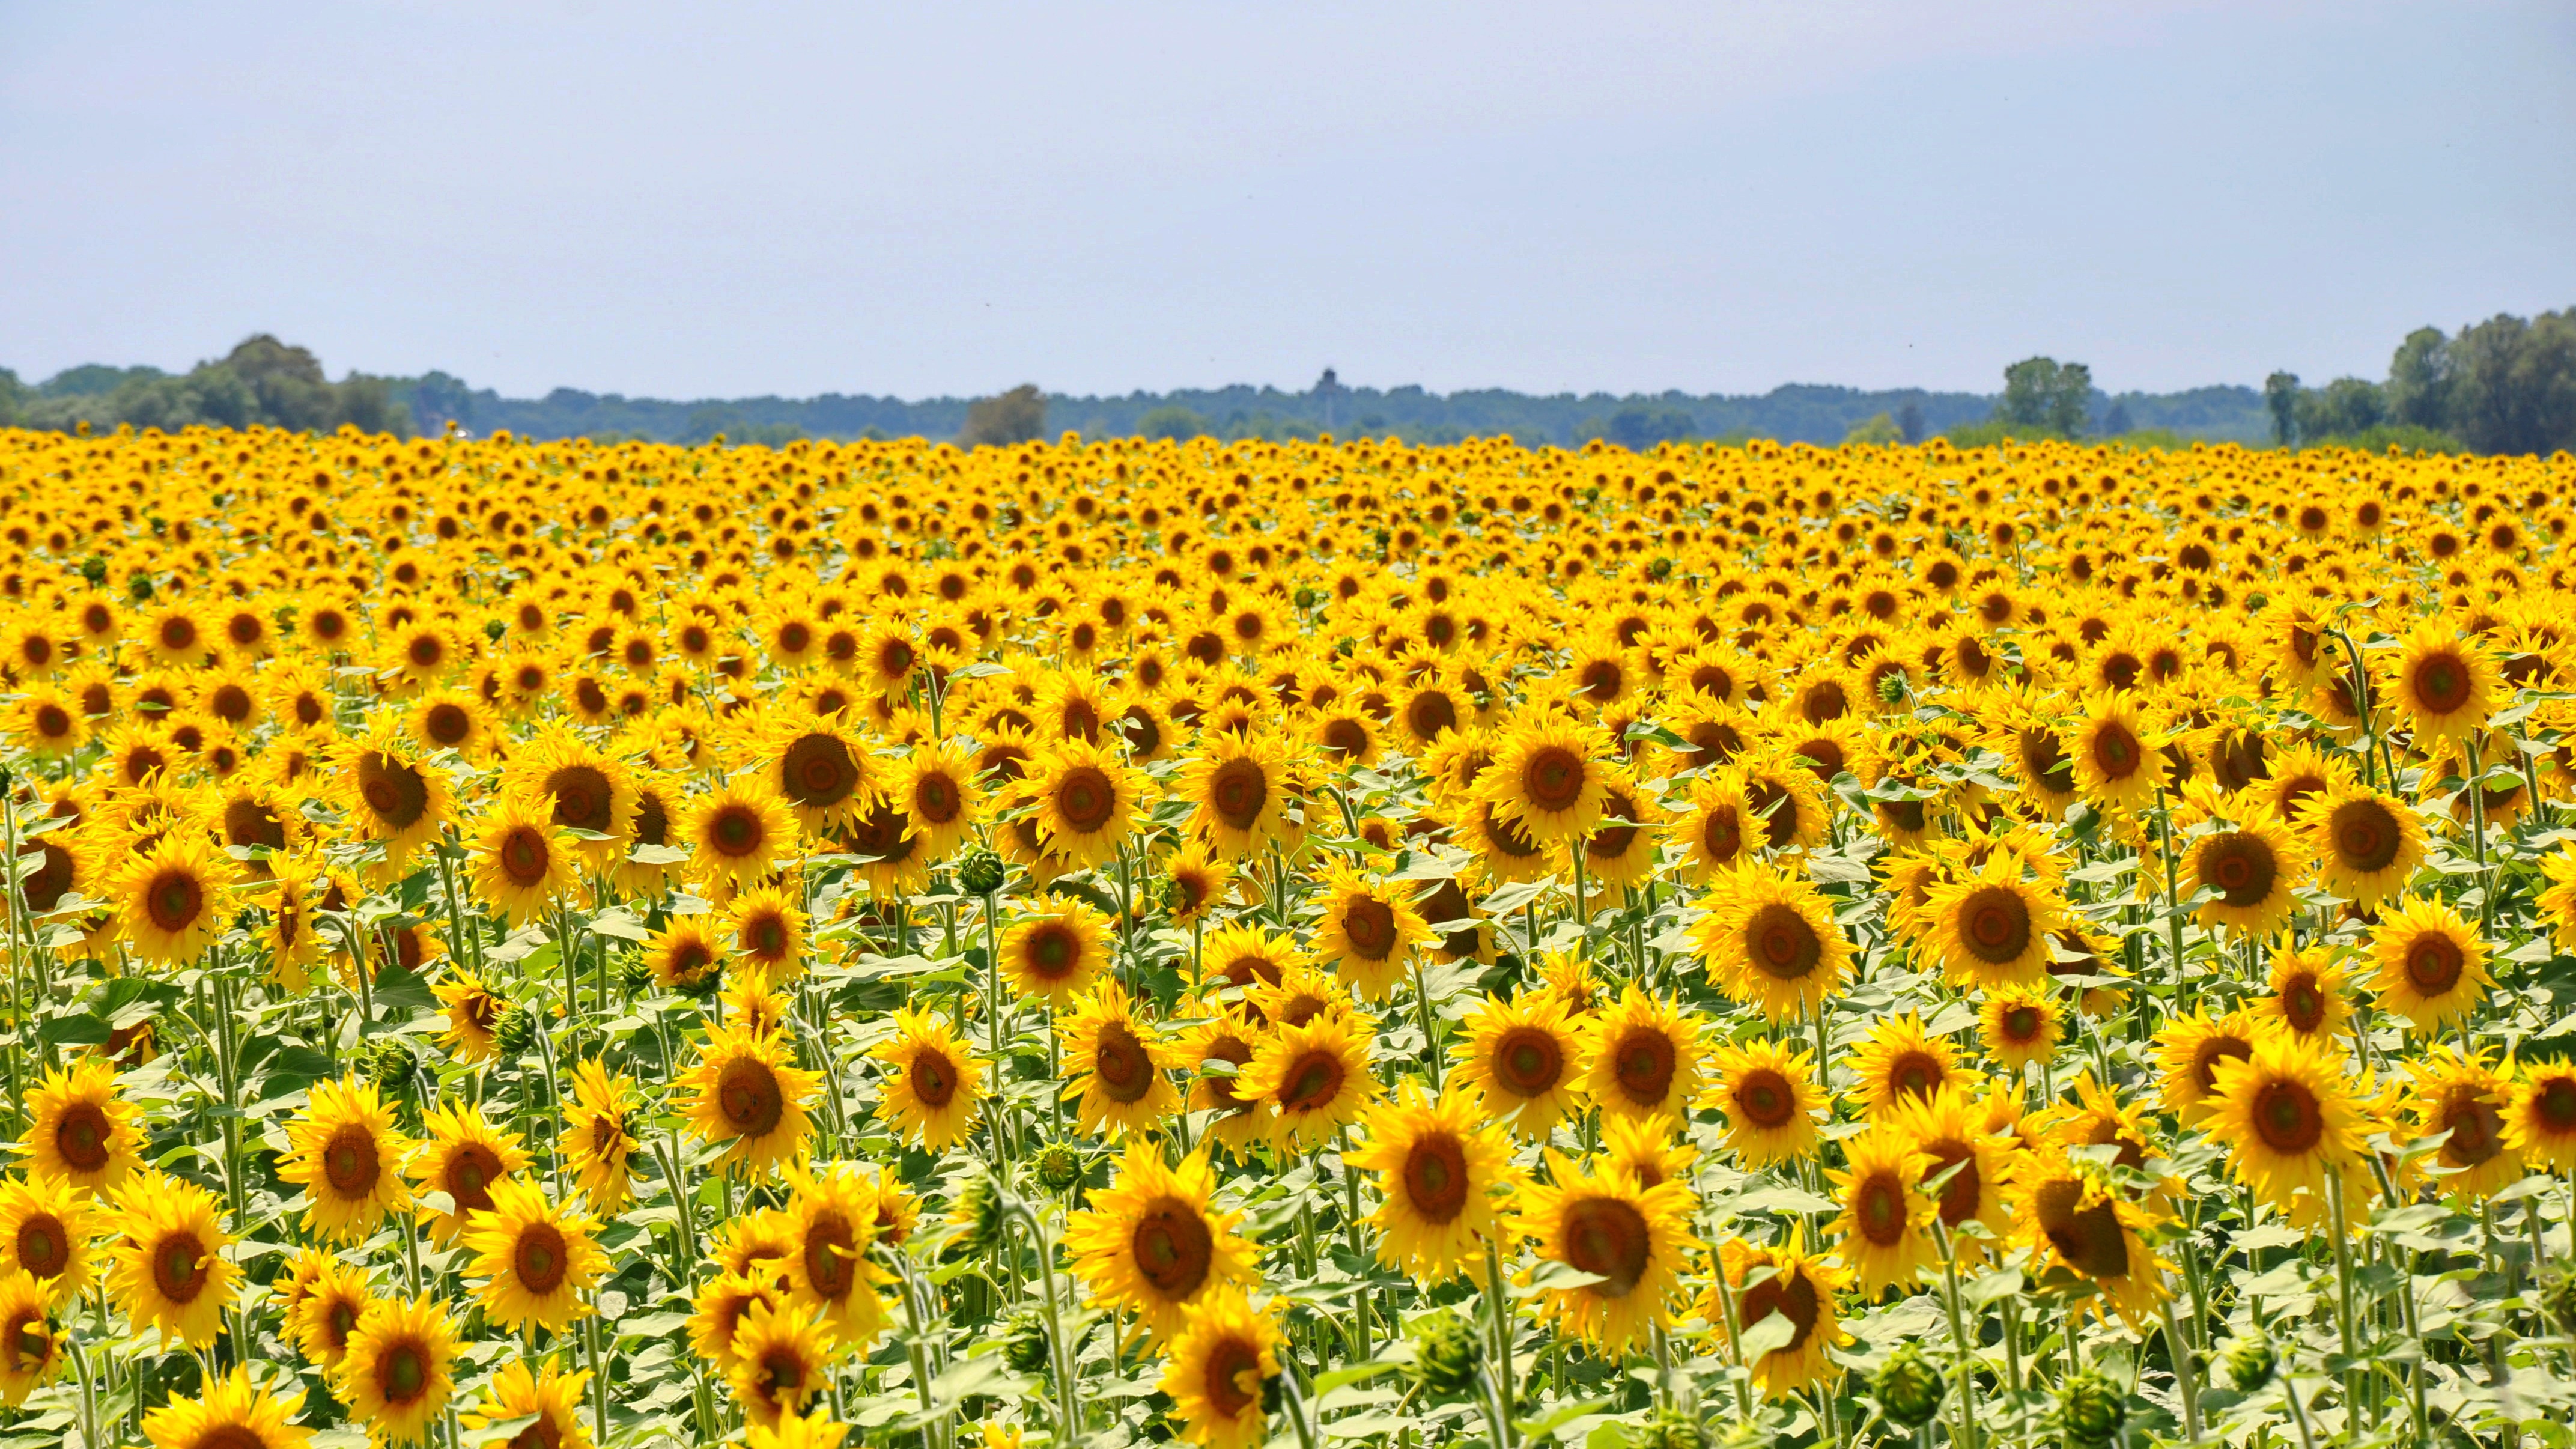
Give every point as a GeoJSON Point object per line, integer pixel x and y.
{"type": "Point", "coordinates": [1776, 1331]}
{"type": "Point", "coordinates": [618, 922]}
{"type": "Point", "coordinates": [78, 1030]}
{"type": "Point", "coordinates": [404, 990]}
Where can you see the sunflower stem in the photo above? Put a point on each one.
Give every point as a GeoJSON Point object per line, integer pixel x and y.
{"type": "Point", "coordinates": [2343, 1283]}
{"type": "Point", "coordinates": [1499, 1309]}
{"type": "Point", "coordinates": [1967, 1372]}
{"type": "Point", "coordinates": [2186, 1376]}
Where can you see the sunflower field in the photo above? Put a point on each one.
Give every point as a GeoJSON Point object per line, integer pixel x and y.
{"type": "Point", "coordinates": [568, 946]}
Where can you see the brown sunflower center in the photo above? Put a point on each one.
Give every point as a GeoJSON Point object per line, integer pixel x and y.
{"type": "Point", "coordinates": [1776, 808]}
{"type": "Point", "coordinates": [830, 1247]}
{"type": "Point", "coordinates": [1781, 942]}
{"type": "Point", "coordinates": [2023, 1023]}
{"type": "Point", "coordinates": [1915, 1074]}
{"type": "Point", "coordinates": [1173, 1249]}
{"type": "Point", "coordinates": [2303, 1004]}
{"type": "Point", "coordinates": [1430, 715]}
{"type": "Point", "coordinates": [1233, 1376]}
{"type": "Point", "coordinates": [1346, 737]}
{"type": "Point", "coordinates": [1643, 1065]}
{"type": "Point", "coordinates": [2115, 751]}
{"type": "Point", "coordinates": [2239, 866]}
{"type": "Point", "coordinates": [1766, 1098]}
{"type": "Point", "coordinates": [2435, 964]}
{"type": "Point", "coordinates": [2477, 1130]}
{"type": "Point", "coordinates": [1791, 1296]}
{"type": "Point", "coordinates": [1878, 1205]}
{"type": "Point", "coordinates": [2441, 682]}
{"type": "Point", "coordinates": [2366, 835]}
{"type": "Point", "coordinates": [1607, 1236]}
{"type": "Point", "coordinates": [1369, 925]}
{"type": "Point", "coordinates": [1528, 1061]}
{"type": "Point", "coordinates": [1085, 798]}
{"type": "Point", "coordinates": [2089, 1238]}
{"type": "Point", "coordinates": [1053, 951]}
{"type": "Point", "coordinates": [1311, 1082]}
{"type": "Point", "coordinates": [817, 771]}
{"type": "Point", "coordinates": [524, 856]}
{"type": "Point", "coordinates": [2554, 1103]}
{"type": "Point", "coordinates": [1964, 1193]}
{"type": "Point", "coordinates": [44, 1245]}
{"type": "Point", "coordinates": [1553, 778]}
{"type": "Point", "coordinates": [936, 798]}
{"type": "Point", "coordinates": [82, 1136]}
{"type": "Point", "coordinates": [1121, 1065]}
{"type": "Point", "coordinates": [2287, 1117]}
{"type": "Point", "coordinates": [1994, 924]}
{"type": "Point", "coordinates": [28, 1342]}
{"type": "Point", "coordinates": [736, 831]}
{"type": "Point", "coordinates": [2221, 1048]}
{"type": "Point", "coordinates": [933, 1077]}
{"type": "Point", "coordinates": [1435, 1177]}
{"type": "Point", "coordinates": [351, 1163]}
{"type": "Point", "coordinates": [1220, 1090]}
{"type": "Point", "coordinates": [397, 794]}
{"type": "Point", "coordinates": [174, 899]}
{"type": "Point", "coordinates": [179, 1267]}
{"type": "Point", "coordinates": [748, 1095]}
{"type": "Point", "coordinates": [539, 1259]}
{"type": "Point", "coordinates": [1237, 790]}
{"type": "Point", "coordinates": [1507, 836]}
{"type": "Point", "coordinates": [470, 1175]}
{"type": "Point", "coordinates": [402, 1375]}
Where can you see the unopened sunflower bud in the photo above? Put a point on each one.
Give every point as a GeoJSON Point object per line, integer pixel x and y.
{"type": "Point", "coordinates": [1908, 1388]}
{"type": "Point", "coordinates": [2251, 1361]}
{"type": "Point", "coordinates": [1672, 1428]}
{"type": "Point", "coordinates": [2091, 1409]}
{"type": "Point", "coordinates": [1024, 1342]}
{"type": "Point", "coordinates": [634, 975]}
{"type": "Point", "coordinates": [387, 1063]}
{"type": "Point", "coordinates": [981, 1214]}
{"type": "Point", "coordinates": [515, 1031]}
{"type": "Point", "coordinates": [1446, 1352]}
{"type": "Point", "coordinates": [1058, 1165]}
{"type": "Point", "coordinates": [981, 873]}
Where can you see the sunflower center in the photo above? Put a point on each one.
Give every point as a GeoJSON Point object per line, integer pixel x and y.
{"type": "Point", "coordinates": [1784, 946]}
{"type": "Point", "coordinates": [2090, 1239]}
{"type": "Point", "coordinates": [2442, 683]}
{"type": "Point", "coordinates": [1220, 1090]}
{"type": "Point", "coordinates": [1964, 1194]}
{"type": "Point", "coordinates": [174, 900]}
{"type": "Point", "coordinates": [1232, 1377]}
{"type": "Point", "coordinates": [1528, 1061]}
{"type": "Point", "coordinates": [1311, 1082]}
{"type": "Point", "coordinates": [1766, 1098]}
{"type": "Point", "coordinates": [1369, 925]}
{"type": "Point", "coordinates": [2366, 835]}
{"type": "Point", "coordinates": [30, 1345]}
{"type": "Point", "coordinates": [2287, 1117]}
{"type": "Point", "coordinates": [44, 1245]}
{"type": "Point", "coordinates": [764, 936]}
{"type": "Point", "coordinates": [1435, 1177]}
{"type": "Point", "coordinates": [179, 1267]}
{"type": "Point", "coordinates": [1791, 1296]}
{"type": "Point", "coordinates": [350, 1163]}
{"type": "Point", "coordinates": [2434, 965]}
{"type": "Point", "coordinates": [936, 799]}
{"type": "Point", "coordinates": [1346, 738]}
{"type": "Point", "coordinates": [1085, 798]}
{"type": "Point", "coordinates": [1643, 1065]}
{"type": "Point", "coordinates": [1608, 1237]}
{"type": "Point", "coordinates": [404, 1376]}
{"type": "Point", "coordinates": [1053, 951]}
{"type": "Point", "coordinates": [1121, 1065]}
{"type": "Point", "coordinates": [1430, 715]}
{"type": "Point", "coordinates": [736, 831]}
{"type": "Point", "coordinates": [1553, 778]}
{"type": "Point", "coordinates": [2023, 1024]}
{"type": "Point", "coordinates": [394, 791]}
{"type": "Point", "coordinates": [82, 1137]}
{"type": "Point", "coordinates": [933, 1077]}
{"type": "Point", "coordinates": [782, 1374]}
{"type": "Point", "coordinates": [2239, 866]}
{"type": "Point", "coordinates": [2554, 1104]}
{"type": "Point", "coordinates": [2477, 1131]}
{"type": "Point", "coordinates": [747, 1093]}
{"type": "Point", "coordinates": [1915, 1074]}
{"type": "Point", "coordinates": [524, 857]}
{"type": "Point", "coordinates": [178, 634]}
{"type": "Point", "coordinates": [1995, 924]}
{"type": "Point", "coordinates": [470, 1175]}
{"type": "Point", "coordinates": [817, 772]}
{"type": "Point", "coordinates": [1507, 836]}
{"type": "Point", "coordinates": [1236, 791]}
{"type": "Point", "coordinates": [1878, 1205]}
{"type": "Point", "coordinates": [1721, 835]}
{"type": "Point", "coordinates": [2303, 1004]}
{"type": "Point", "coordinates": [1776, 808]}
{"type": "Point", "coordinates": [447, 724]}
{"type": "Point", "coordinates": [540, 1258]}
{"type": "Point", "coordinates": [2115, 751]}
{"type": "Point", "coordinates": [341, 1321]}
{"type": "Point", "coordinates": [1173, 1249]}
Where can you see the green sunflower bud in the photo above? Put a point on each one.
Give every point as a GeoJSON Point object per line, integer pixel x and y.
{"type": "Point", "coordinates": [982, 1212]}
{"type": "Point", "coordinates": [1446, 1352]}
{"type": "Point", "coordinates": [1059, 1165]}
{"type": "Point", "coordinates": [515, 1032]}
{"type": "Point", "coordinates": [2091, 1409]}
{"type": "Point", "coordinates": [1909, 1389]}
{"type": "Point", "coordinates": [1672, 1428]}
{"type": "Point", "coordinates": [1024, 1344]}
{"type": "Point", "coordinates": [981, 873]}
{"type": "Point", "coordinates": [633, 975]}
{"type": "Point", "coordinates": [387, 1062]}
{"type": "Point", "coordinates": [2251, 1361]}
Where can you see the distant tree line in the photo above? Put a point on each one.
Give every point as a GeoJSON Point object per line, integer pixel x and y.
{"type": "Point", "coordinates": [261, 382]}
{"type": "Point", "coordinates": [2505, 385]}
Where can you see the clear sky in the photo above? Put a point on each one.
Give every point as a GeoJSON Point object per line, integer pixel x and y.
{"type": "Point", "coordinates": [944, 198]}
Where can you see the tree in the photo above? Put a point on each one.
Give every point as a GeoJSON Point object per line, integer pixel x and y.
{"type": "Point", "coordinates": [2419, 380]}
{"type": "Point", "coordinates": [1175, 422]}
{"type": "Point", "coordinates": [1017, 416]}
{"type": "Point", "coordinates": [2045, 397]}
{"type": "Point", "coordinates": [2116, 422]}
{"type": "Point", "coordinates": [2281, 395]}
{"type": "Point", "coordinates": [1909, 422]}
{"type": "Point", "coordinates": [2514, 384]}
{"type": "Point", "coordinates": [1879, 429]}
{"type": "Point", "coordinates": [2341, 409]}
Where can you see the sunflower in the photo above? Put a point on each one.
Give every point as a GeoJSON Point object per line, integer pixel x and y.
{"type": "Point", "coordinates": [1087, 799]}
{"type": "Point", "coordinates": [520, 863]}
{"type": "Point", "coordinates": [1217, 1371]}
{"type": "Point", "coordinates": [49, 721]}
{"type": "Point", "coordinates": [2113, 751]}
{"type": "Point", "coordinates": [1193, 884]}
{"type": "Point", "coordinates": [516, 1391]}
{"type": "Point", "coordinates": [1770, 940]}
{"type": "Point", "coordinates": [327, 1317]}
{"type": "Point", "coordinates": [1770, 1100]}
{"type": "Point", "coordinates": [933, 1084]}
{"type": "Point", "coordinates": [1056, 954]}
{"type": "Point", "coordinates": [831, 1225]}
{"type": "Point", "coordinates": [1525, 1059]}
{"type": "Point", "coordinates": [2540, 1127]}
{"type": "Point", "coordinates": [2367, 843]}
{"type": "Point", "coordinates": [389, 793]}
{"type": "Point", "coordinates": [79, 1131]}
{"type": "Point", "coordinates": [45, 1236]}
{"type": "Point", "coordinates": [1548, 780]}
{"type": "Point", "coordinates": [818, 1431]}
{"type": "Point", "coordinates": [167, 1268]}
{"type": "Point", "coordinates": [685, 957]}
{"type": "Point", "coordinates": [2443, 685]}
{"type": "Point", "coordinates": [400, 1369]}
{"type": "Point", "coordinates": [936, 793]}
{"type": "Point", "coordinates": [2465, 1097]}
{"type": "Point", "coordinates": [737, 835]}
{"type": "Point", "coordinates": [536, 1258]}
{"type": "Point", "coordinates": [1121, 1069]}
{"type": "Point", "coordinates": [2020, 1025]}
{"type": "Point", "coordinates": [1645, 1057]}
{"type": "Point", "coordinates": [1885, 1226]}
{"type": "Point", "coordinates": [450, 719]}
{"type": "Point", "coordinates": [644, 873]}
{"type": "Point", "coordinates": [1313, 1077]}
{"type": "Point", "coordinates": [782, 1358]}
{"type": "Point", "coordinates": [1226, 1037]}
{"type": "Point", "coordinates": [347, 1152]}
{"type": "Point", "coordinates": [31, 1348]}
{"type": "Point", "coordinates": [1152, 1244]}
{"type": "Point", "coordinates": [170, 898]}
{"type": "Point", "coordinates": [744, 1094]}
{"type": "Point", "coordinates": [1369, 932]}
{"type": "Point", "coordinates": [2188, 1051]}
{"type": "Point", "coordinates": [473, 1012]}
{"type": "Point", "coordinates": [175, 638]}
{"type": "Point", "coordinates": [2432, 963]}
{"type": "Point", "coordinates": [1992, 928]}
{"type": "Point", "coordinates": [1237, 788]}
{"type": "Point", "coordinates": [1715, 825]}
{"type": "Point", "coordinates": [767, 933]}
{"type": "Point", "coordinates": [1633, 1240]}
{"type": "Point", "coordinates": [2558, 898]}
{"type": "Point", "coordinates": [1781, 1280]}
{"type": "Point", "coordinates": [2288, 1116]}
{"type": "Point", "coordinates": [2306, 995]}
{"type": "Point", "coordinates": [581, 788]}
{"type": "Point", "coordinates": [722, 1303]}
{"type": "Point", "coordinates": [464, 1158]}
{"type": "Point", "coordinates": [231, 1412]}
{"type": "Point", "coordinates": [1952, 1133]}
{"type": "Point", "coordinates": [1899, 1059]}
{"type": "Point", "coordinates": [1437, 1167]}
{"type": "Point", "coordinates": [2081, 1232]}
{"type": "Point", "coordinates": [599, 1136]}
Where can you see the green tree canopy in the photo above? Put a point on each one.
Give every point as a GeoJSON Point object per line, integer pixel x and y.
{"type": "Point", "coordinates": [1017, 416]}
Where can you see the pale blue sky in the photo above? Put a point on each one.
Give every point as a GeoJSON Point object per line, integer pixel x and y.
{"type": "Point", "coordinates": [693, 200]}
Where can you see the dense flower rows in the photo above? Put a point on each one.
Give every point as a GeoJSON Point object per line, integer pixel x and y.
{"type": "Point", "coordinates": [555, 945]}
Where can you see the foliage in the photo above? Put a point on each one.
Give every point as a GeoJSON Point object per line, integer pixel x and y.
{"type": "Point", "coordinates": [261, 383]}
{"type": "Point", "coordinates": [1879, 429]}
{"type": "Point", "coordinates": [1017, 416]}
{"type": "Point", "coordinates": [2046, 398]}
